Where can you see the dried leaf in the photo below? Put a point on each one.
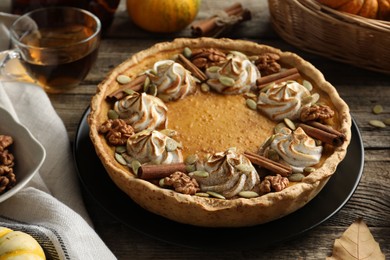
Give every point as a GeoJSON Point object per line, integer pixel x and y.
{"type": "Point", "coordinates": [357, 242]}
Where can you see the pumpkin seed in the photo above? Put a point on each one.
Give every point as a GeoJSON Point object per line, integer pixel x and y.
{"type": "Point", "coordinates": [307, 85]}
{"type": "Point", "coordinates": [171, 145]}
{"type": "Point", "coordinates": [377, 109]}
{"type": "Point", "coordinates": [279, 127]}
{"type": "Point", "coordinates": [315, 97]}
{"type": "Point", "coordinates": [296, 177]}
{"type": "Point", "coordinates": [135, 165]}
{"type": "Point", "coordinates": [229, 82]}
{"type": "Point", "coordinates": [243, 167]}
{"type": "Point", "coordinates": [123, 79]}
{"type": "Point", "coordinates": [119, 158]}
{"type": "Point", "coordinates": [213, 69]}
{"type": "Point", "coordinates": [216, 195]}
{"type": "Point", "coordinates": [268, 141]}
{"type": "Point", "coordinates": [187, 52]}
{"type": "Point", "coordinates": [267, 87]}
{"type": "Point", "coordinates": [204, 87]}
{"type": "Point", "coordinates": [251, 104]}
{"type": "Point", "coordinates": [127, 158]}
{"type": "Point", "coordinates": [129, 91]}
{"type": "Point", "coordinates": [120, 149]}
{"type": "Point", "coordinates": [290, 124]}
{"type": "Point", "coordinates": [190, 168]}
{"type": "Point", "coordinates": [201, 174]}
{"type": "Point", "coordinates": [146, 83]}
{"type": "Point", "coordinates": [309, 169]}
{"type": "Point", "coordinates": [152, 90]}
{"type": "Point", "coordinates": [387, 121]}
{"type": "Point", "coordinates": [161, 183]}
{"type": "Point", "coordinates": [169, 132]}
{"type": "Point", "coordinates": [112, 114]}
{"type": "Point", "coordinates": [377, 123]}
{"type": "Point", "coordinates": [202, 194]}
{"type": "Point", "coordinates": [248, 194]}
{"type": "Point", "coordinates": [191, 159]}
{"type": "Point", "coordinates": [307, 99]}
{"type": "Point", "coordinates": [250, 95]}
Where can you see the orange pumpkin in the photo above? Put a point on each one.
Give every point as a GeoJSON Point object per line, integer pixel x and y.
{"type": "Point", "coordinates": [375, 9]}
{"type": "Point", "coordinates": [163, 16]}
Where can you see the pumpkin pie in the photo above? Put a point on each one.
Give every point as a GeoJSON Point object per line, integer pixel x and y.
{"type": "Point", "coordinates": [219, 132]}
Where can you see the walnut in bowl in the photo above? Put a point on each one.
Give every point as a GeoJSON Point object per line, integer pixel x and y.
{"type": "Point", "coordinates": [21, 156]}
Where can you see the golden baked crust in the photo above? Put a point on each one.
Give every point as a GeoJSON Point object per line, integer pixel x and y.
{"type": "Point", "coordinates": [211, 212]}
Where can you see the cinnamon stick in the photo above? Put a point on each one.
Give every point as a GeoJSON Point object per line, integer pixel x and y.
{"type": "Point", "coordinates": [158, 171]}
{"type": "Point", "coordinates": [192, 68]}
{"type": "Point", "coordinates": [210, 26]}
{"type": "Point", "coordinates": [323, 133]}
{"type": "Point", "coordinates": [136, 85]}
{"type": "Point", "coordinates": [273, 166]}
{"type": "Point", "coordinates": [289, 74]}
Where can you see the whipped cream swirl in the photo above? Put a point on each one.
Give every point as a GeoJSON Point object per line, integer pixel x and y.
{"type": "Point", "coordinates": [296, 148]}
{"type": "Point", "coordinates": [229, 174]}
{"type": "Point", "coordinates": [142, 111]}
{"type": "Point", "coordinates": [173, 81]}
{"type": "Point", "coordinates": [236, 76]}
{"type": "Point", "coordinates": [283, 100]}
{"type": "Point", "coordinates": [151, 146]}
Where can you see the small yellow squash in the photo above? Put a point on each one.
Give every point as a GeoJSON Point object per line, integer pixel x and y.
{"type": "Point", "coordinates": [17, 245]}
{"type": "Point", "coordinates": [163, 16]}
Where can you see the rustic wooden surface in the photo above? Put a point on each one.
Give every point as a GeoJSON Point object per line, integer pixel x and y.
{"type": "Point", "coordinates": [361, 89]}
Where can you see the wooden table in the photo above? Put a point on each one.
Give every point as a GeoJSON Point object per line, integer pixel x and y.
{"type": "Point", "coordinates": [361, 89]}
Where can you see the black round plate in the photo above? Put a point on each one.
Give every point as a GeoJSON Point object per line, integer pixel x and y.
{"type": "Point", "coordinates": [330, 200]}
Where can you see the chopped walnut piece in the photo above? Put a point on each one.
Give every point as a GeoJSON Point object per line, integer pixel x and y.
{"type": "Point", "coordinates": [7, 182]}
{"type": "Point", "coordinates": [6, 158]}
{"type": "Point", "coordinates": [273, 183]}
{"type": "Point", "coordinates": [7, 176]}
{"type": "Point", "coordinates": [267, 63]}
{"type": "Point", "coordinates": [5, 141]}
{"type": "Point", "coordinates": [316, 112]}
{"type": "Point", "coordinates": [117, 131]}
{"type": "Point", "coordinates": [207, 57]}
{"type": "Point", "coordinates": [182, 183]}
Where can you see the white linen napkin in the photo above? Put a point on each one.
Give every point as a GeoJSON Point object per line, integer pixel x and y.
{"type": "Point", "coordinates": [51, 206]}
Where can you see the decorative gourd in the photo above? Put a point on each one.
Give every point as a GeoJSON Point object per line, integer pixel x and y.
{"type": "Point", "coordinates": [17, 245]}
{"type": "Point", "coordinates": [163, 16]}
{"type": "Point", "coordinates": [375, 9]}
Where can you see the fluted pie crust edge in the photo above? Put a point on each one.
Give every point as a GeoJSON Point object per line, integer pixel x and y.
{"type": "Point", "coordinates": [211, 212]}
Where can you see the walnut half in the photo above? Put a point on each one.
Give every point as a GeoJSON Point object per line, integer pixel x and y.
{"type": "Point", "coordinates": [182, 183]}
{"type": "Point", "coordinates": [117, 131]}
{"type": "Point", "coordinates": [273, 183]}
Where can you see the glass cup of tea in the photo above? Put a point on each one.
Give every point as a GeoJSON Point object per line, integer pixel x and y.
{"type": "Point", "coordinates": [57, 46]}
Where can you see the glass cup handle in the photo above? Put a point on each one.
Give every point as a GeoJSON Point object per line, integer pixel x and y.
{"type": "Point", "coordinates": [14, 72]}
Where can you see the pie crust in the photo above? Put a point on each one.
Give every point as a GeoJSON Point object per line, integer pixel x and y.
{"type": "Point", "coordinates": [213, 212]}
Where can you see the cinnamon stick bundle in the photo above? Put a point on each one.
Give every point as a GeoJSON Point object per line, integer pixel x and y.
{"type": "Point", "coordinates": [283, 170]}
{"type": "Point", "coordinates": [136, 85]}
{"type": "Point", "coordinates": [159, 171]}
{"type": "Point", "coordinates": [323, 133]}
{"type": "Point", "coordinates": [217, 24]}
{"type": "Point", "coordinates": [289, 74]}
